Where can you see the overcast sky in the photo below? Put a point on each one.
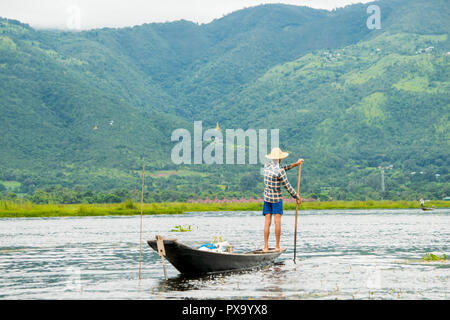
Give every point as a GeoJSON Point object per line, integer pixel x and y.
{"type": "Point", "coordinates": [88, 14]}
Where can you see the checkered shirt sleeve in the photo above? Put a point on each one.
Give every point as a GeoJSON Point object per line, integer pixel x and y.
{"type": "Point", "coordinates": [274, 178]}
{"type": "Point", "coordinates": [286, 184]}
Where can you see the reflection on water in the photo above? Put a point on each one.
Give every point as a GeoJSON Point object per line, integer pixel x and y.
{"type": "Point", "coordinates": [354, 254]}
{"type": "Point", "coordinates": [186, 282]}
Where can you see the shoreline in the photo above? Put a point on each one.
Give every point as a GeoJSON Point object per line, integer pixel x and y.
{"type": "Point", "coordinates": [30, 210]}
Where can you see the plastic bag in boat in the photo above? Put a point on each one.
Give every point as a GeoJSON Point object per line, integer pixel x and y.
{"type": "Point", "coordinates": [215, 247]}
{"type": "Point", "coordinates": [222, 246]}
{"type": "Point", "coordinates": [207, 247]}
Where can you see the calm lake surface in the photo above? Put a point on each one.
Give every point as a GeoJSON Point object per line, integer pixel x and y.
{"type": "Point", "coordinates": [341, 254]}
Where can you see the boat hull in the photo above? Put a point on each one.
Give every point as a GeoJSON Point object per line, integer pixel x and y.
{"type": "Point", "coordinates": [188, 260]}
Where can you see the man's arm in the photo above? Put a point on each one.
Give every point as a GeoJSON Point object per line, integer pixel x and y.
{"type": "Point", "coordinates": [292, 165]}
{"type": "Point", "coordinates": [288, 166]}
{"type": "Point", "coordinates": [287, 185]}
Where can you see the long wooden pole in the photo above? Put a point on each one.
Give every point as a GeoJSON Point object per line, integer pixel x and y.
{"type": "Point", "coordinates": [296, 210]}
{"type": "Point", "coordinates": [142, 207]}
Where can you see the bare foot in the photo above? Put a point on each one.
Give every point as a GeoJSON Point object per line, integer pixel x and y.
{"type": "Point", "coordinates": [277, 249]}
{"type": "Point", "coordinates": [265, 250]}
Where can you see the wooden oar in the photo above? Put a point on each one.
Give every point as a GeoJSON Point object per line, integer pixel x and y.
{"type": "Point", "coordinates": [296, 210]}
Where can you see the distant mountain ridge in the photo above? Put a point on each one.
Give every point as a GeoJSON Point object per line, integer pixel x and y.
{"type": "Point", "coordinates": [88, 108]}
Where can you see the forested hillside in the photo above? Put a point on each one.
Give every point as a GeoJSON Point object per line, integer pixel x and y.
{"type": "Point", "coordinates": [83, 111]}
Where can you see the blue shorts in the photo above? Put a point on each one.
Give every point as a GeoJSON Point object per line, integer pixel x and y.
{"type": "Point", "coordinates": [273, 208]}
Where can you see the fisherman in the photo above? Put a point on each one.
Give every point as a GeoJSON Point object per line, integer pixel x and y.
{"type": "Point", "coordinates": [275, 177]}
{"type": "Point", "coordinates": [422, 202]}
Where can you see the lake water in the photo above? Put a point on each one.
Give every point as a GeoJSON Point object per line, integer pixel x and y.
{"type": "Point", "coordinates": [341, 254]}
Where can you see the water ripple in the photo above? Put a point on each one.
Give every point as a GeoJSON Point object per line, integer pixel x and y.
{"type": "Point", "coordinates": [353, 254]}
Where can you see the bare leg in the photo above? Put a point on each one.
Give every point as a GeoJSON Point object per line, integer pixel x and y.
{"type": "Point", "coordinates": [277, 230]}
{"type": "Point", "coordinates": [267, 223]}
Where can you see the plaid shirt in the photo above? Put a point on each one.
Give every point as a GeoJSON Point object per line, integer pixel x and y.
{"type": "Point", "coordinates": [274, 177]}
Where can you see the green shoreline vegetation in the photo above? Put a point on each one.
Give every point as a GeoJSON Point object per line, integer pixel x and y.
{"type": "Point", "coordinates": [11, 209]}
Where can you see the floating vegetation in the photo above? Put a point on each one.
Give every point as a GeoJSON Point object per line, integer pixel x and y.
{"type": "Point", "coordinates": [180, 228]}
{"type": "Point", "coordinates": [434, 257]}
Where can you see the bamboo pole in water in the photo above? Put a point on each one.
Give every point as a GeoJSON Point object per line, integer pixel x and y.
{"type": "Point", "coordinates": [142, 208]}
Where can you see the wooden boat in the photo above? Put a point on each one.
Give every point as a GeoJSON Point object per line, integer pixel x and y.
{"type": "Point", "coordinates": [188, 260]}
{"type": "Point", "coordinates": [427, 209]}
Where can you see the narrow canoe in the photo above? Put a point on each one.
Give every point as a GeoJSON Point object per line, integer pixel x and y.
{"type": "Point", "coordinates": [188, 260]}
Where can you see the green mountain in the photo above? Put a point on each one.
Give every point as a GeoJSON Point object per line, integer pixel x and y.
{"type": "Point", "coordinates": [84, 110]}
{"type": "Point", "coordinates": [375, 103]}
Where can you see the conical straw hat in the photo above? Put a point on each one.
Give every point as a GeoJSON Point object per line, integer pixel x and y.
{"type": "Point", "coordinates": [276, 153]}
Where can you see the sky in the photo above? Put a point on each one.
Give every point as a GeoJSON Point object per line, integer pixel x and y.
{"type": "Point", "coordinates": [89, 14]}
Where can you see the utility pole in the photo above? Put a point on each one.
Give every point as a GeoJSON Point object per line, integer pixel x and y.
{"type": "Point", "coordinates": [383, 187]}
